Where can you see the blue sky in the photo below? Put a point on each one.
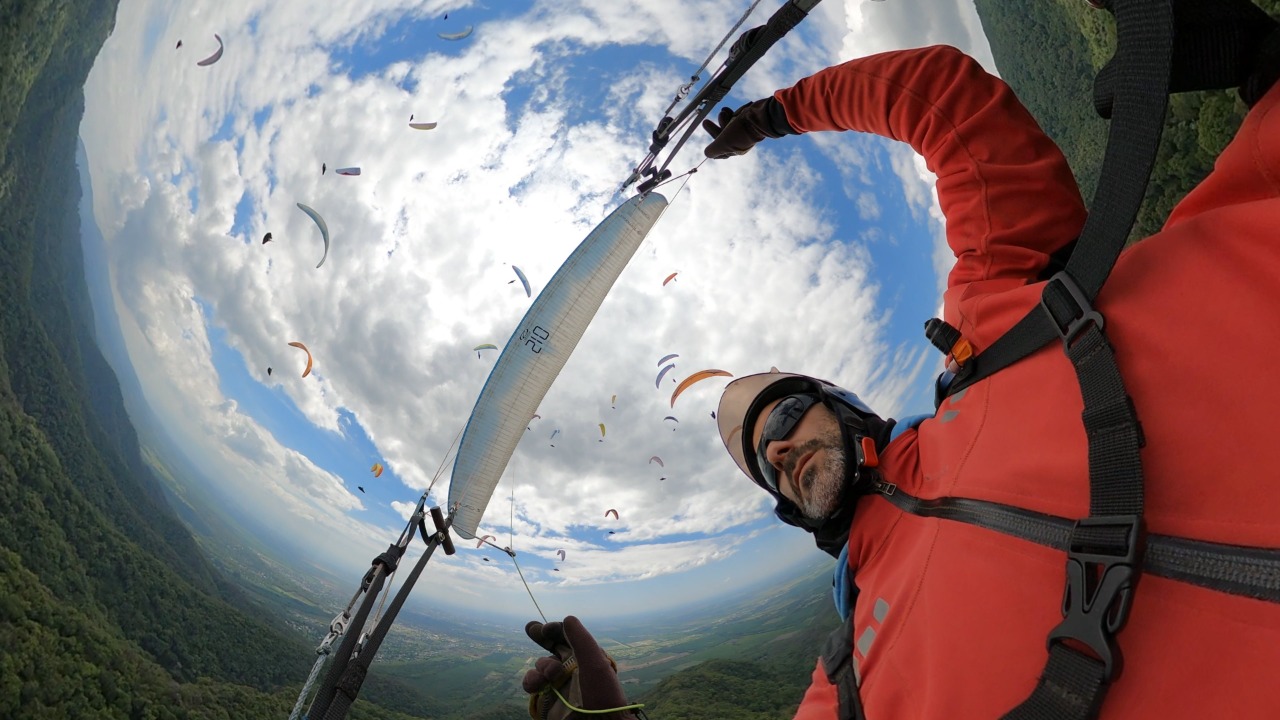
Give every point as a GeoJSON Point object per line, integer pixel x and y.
{"type": "Point", "coordinates": [813, 253]}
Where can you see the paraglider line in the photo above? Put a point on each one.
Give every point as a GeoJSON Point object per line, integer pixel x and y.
{"type": "Point", "coordinates": [686, 175]}
{"type": "Point", "coordinates": [386, 590]}
{"type": "Point", "coordinates": [440, 470]}
{"type": "Point", "coordinates": [527, 588]}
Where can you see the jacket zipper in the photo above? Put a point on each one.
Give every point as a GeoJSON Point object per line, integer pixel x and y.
{"type": "Point", "coordinates": [1234, 569]}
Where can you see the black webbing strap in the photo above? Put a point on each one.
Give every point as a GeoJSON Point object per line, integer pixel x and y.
{"type": "Point", "coordinates": [374, 579]}
{"type": "Point", "coordinates": [837, 663]}
{"type": "Point", "coordinates": [1105, 551]}
{"type": "Point", "coordinates": [1216, 41]}
{"type": "Point", "coordinates": [347, 687]}
{"type": "Point", "coordinates": [1104, 556]}
{"type": "Point", "coordinates": [1133, 87]}
{"type": "Point", "coordinates": [1163, 46]}
{"type": "Point", "coordinates": [347, 676]}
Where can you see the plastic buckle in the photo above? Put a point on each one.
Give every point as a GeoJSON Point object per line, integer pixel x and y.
{"type": "Point", "coordinates": [1099, 591]}
{"type": "Point", "coordinates": [1083, 314]}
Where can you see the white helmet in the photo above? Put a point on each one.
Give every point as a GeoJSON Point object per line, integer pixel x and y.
{"type": "Point", "coordinates": [862, 430]}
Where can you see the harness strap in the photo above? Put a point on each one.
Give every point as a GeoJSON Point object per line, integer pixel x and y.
{"type": "Point", "coordinates": [837, 663]}
{"type": "Point", "coordinates": [1104, 555]}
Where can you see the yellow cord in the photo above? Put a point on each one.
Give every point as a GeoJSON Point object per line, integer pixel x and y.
{"type": "Point", "coordinates": [637, 706]}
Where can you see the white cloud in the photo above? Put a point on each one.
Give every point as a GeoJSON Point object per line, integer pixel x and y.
{"type": "Point", "coordinates": [422, 247]}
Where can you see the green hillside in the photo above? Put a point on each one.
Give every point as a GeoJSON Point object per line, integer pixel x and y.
{"type": "Point", "coordinates": [108, 609]}
{"type": "Point", "coordinates": [1048, 53]}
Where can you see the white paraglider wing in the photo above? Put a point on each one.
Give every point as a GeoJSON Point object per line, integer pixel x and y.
{"type": "Point", "coordinates": [461, 35]}
{"type": "Point", "coordinates": [217, 54]}
{"type": "Point", "coordinates": [537, 351]}
{"type": "Point", "coordinates": [324, 229]}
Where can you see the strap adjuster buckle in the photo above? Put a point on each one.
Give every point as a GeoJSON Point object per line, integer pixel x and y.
{"type": "Point", "coordinates": [1081, 313]}
{"type": "Point", "coordinates": [1100, 584]}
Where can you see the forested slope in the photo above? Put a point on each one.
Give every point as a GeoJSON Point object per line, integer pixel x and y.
{"type": "Point", "coordinates": [107, 607]}
{"type": "Point", "coordinates": [1048, 52]}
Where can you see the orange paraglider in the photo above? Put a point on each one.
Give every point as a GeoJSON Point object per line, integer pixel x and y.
{"type": "Point", "coordinates": [696, 378]}
{"type": "Point", "coordinates": [304, 349]}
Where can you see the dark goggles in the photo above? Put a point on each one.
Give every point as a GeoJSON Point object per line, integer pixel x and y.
{"type": "Point", "coordinates": [781, 423]}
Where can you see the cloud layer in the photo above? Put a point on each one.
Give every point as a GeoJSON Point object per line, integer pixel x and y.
{"type": "Point", "coordinates": [541, 113]}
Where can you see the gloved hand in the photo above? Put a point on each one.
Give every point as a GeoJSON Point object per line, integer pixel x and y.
{"type": "Point", "coordinates": [578, 670]}
{"type": "Point", "coordinates": [735, 132]}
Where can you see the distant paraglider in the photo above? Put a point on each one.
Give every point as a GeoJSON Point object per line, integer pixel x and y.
{"type": "Point", "coordinates": [696, 378]}
{"type": "Point", "coordinates": [614, 401]}
{"type": "Point", "coordinates": [304, 349]}
{"type": "Point", "coordinates": [360, 488]}
{"type": "Point", "coordinates": [657, 382]}
{"type": "Point", "coordinates": [422, 125]}
{"type": "Point", "coordinates": [216, 56]}
{"type": "Point", "coordinates": [324, 229]}
{"type": "Point", "coordinates": [554, 433]}
{"type": "Point", "coordinates": [376, 469]}
{"type": "Point", "coordinates": [460, 35]}
{"type": "Point", "coordinates": [665, 358]}
{"type": "Point", "coordinates": [672, 418]}
{"type": "Point", "coordinates": [348, 171]}
{"type": "Point", "coordinates": [615, 514]}
{"type": "Point", "coordinates": [560, 553]}
{"type": "Point", "coordinates": [656, 459]}
{"type": "Point", "coordinates": [670, 277]}
{"type": "Point", "coordinates": [268, 372]}
{"type": "Point", "coordinates": [602, 432]}
{"type": "Point", "coordinates": [486, 346]}
{"type": "Point", "coordinates": [323, 167]}
{"type": "Point", "coordinates": [266, 238]}
{"type": "Point", "coordinates": [480, 544]}
{"type": "Point", "coordinates": [175, 47]}
{"type": "Point", "coordinates": [523, 281]}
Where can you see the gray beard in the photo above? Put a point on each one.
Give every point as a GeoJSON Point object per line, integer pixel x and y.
{"type": "Point", "coordinates": [823, 494]}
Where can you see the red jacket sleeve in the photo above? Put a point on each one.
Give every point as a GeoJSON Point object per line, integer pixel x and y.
{"type": "Point", "coordinates": [1007, 193]}
{"type": "Point", "coordinates": [822, 699]}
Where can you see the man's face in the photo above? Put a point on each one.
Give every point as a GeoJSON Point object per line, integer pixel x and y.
{"type": "Point", "coordinates": [810, 462]}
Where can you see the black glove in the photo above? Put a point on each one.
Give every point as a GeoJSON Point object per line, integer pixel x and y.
{"type": "Point", "coordinates": [578, 672]}
{"type": "Point", "coordinates": [735, 132]}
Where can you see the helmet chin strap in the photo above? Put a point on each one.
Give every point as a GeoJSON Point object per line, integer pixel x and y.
{"type": "Point", "coordinates": [832, 533]}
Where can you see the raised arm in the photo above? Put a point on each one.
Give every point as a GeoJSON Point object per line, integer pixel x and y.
{"type": "Point", "coordinates": [1006, 190]}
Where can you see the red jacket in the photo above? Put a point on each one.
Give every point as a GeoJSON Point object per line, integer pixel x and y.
{"type": "Point", "coordinates": [952, 619]}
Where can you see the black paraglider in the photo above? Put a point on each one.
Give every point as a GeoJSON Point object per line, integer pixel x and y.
{"type": "Point", "coordinates": [360, 488]}
{"type": "Point", "coordinates": [485, 559]}
{"type": "Point", "coordinates": [266, 238]}
{"type": "Point", "coordinates": [323, 167]}
{"type": "Point", "coordinates": [268, 371]}
{"type": "Point", "coordinates": [175, 47]}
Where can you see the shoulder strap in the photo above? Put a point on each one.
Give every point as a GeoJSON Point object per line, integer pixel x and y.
{"type": "Point", "coordinates": [1105, 551]}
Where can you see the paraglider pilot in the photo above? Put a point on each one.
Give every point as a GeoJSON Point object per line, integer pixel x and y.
{"type": "Point", "coordinates": [950, 530]}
